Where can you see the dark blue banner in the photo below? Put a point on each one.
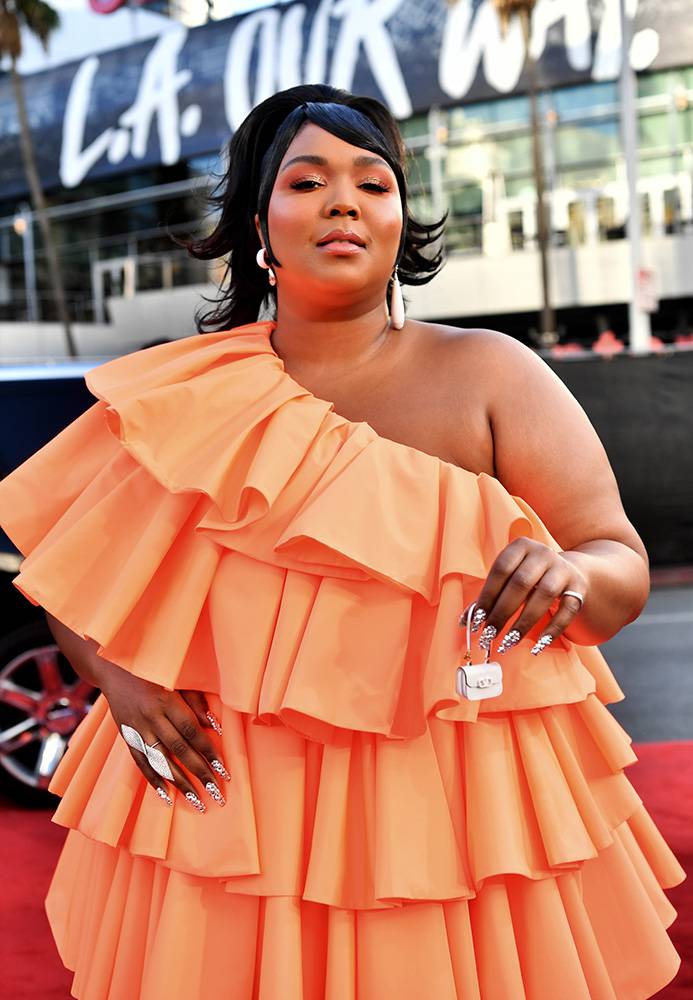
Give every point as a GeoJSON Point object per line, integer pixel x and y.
{"type": "Point", "coordinates": [184, 93]}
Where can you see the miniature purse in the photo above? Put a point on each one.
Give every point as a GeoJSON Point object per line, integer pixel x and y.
{"type": "Point", "coordinates": [478, 680]}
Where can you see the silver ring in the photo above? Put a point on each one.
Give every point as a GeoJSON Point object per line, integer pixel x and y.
{"type": "Point", "coordinates": [156, 759]}
{"type": "Point", "coordinates": [574, 593]}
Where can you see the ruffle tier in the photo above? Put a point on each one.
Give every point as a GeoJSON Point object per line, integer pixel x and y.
{"type": "Point", "coordinates": [213, 525]}
{"type": "Point", "coordinates": [132, 928]}
{"type": "Point", "coordinates": [372, 822]}
{"type": "Point", "coordinates": [209, 511]}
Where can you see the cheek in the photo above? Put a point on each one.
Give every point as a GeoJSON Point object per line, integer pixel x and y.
{"type": "Point", "coordinates": [388, 220]}
{"type": "Point", "coordinates": [287, 221]}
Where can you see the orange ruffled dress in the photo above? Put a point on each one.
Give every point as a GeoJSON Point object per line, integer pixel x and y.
{"type": "Point", "coordinates": [214, 525]}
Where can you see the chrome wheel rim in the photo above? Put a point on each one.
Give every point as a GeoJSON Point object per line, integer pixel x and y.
{"type": "Point", "coordinates": [42, 701]}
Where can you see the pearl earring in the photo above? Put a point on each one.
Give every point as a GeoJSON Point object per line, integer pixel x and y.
{"type": "Point", "coordinates": [396, 303]}
{"type": "Point", "coordinates": [262, 262]}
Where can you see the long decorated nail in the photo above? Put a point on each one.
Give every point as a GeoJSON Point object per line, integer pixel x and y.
{"type": "Point", "coordinates": [541, 643]}
{"type": "Point", "coordinates": [215, 793]}
{"type": "Point", "coordinates": [217, 766]}
{"type": "Point", "coordinates": [195, 802]}
{"type": "Point", "coordinates": [509, 640]}
{"type": "Point", "coordinates": [487, 637]}
{"type": "Point", "coordinates": [164, 796]}
{"type": "Point", "coordinates": [214, 722]}
{"type": "Point", "coordinates": [477, 618]}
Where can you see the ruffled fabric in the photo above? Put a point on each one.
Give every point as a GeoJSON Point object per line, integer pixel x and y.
{"type": "Point", "coordinates": [339, 546]}
{"type": "Point", "coordinates": [213, 525]}
{"type": "Point", "coordinates": [150, 932]}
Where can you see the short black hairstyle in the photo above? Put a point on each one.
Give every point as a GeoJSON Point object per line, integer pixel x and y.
{"type": "Point", "coordinates": [253, 156]}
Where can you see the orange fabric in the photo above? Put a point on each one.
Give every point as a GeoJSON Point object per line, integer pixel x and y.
{"type": "Point", "coordinates": [213, 525]}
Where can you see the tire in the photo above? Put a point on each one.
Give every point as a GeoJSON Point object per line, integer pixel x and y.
{"type": "Point", "coordinates": [42, 701]}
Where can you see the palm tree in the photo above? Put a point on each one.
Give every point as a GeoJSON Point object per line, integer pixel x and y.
{"type": "Point", "coordinates": [41, 20]}
{"type": "Point", "coordinates": [522, 9]}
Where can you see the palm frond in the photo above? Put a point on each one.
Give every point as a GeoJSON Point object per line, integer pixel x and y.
{"type": "Point", "coordinates": [39, 17]}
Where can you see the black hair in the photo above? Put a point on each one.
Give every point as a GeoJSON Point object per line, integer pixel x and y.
{"type": "Point", "coordinates": [254, 154]}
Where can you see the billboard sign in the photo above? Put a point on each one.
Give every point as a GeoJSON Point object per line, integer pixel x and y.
{"type": "Point", "coordinates": [184, 93]}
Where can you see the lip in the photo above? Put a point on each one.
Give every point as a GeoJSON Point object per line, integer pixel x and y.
{"type": "Point", "coordinates": [342, 236]}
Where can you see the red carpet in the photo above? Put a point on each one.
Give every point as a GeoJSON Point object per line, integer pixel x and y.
{"type": "Point", "coordinates": [663, 776]}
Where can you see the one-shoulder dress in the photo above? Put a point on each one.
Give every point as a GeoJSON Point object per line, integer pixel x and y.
{"type": "Point", "coordinates": [213, 525]}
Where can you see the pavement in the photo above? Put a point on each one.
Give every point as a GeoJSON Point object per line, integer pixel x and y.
{"type": "Point", "coordinates": [652, 660]}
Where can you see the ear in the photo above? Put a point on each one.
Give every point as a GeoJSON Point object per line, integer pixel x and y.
{"type": "Point", "coordinates": [256, 219]}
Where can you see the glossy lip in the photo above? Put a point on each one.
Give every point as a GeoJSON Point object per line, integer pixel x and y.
{"type": "Point", "coordinates": [342, 236]}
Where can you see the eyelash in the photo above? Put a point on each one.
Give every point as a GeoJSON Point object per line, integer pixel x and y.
{"type": "Point", "coordinates": [377, 185]}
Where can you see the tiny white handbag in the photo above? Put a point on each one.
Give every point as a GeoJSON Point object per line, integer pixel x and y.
{"type": "Point", "coordinates": [478, 680]}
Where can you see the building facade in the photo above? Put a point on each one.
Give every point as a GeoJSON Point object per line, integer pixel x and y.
{"type": "Point", "coordinates": [130, 141]}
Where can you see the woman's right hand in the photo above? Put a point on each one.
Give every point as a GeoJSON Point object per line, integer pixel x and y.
{"type": "Point", "coordinates": [176, 721]}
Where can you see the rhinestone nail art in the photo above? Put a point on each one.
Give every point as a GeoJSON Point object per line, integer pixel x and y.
{"type": "Point", "coordinates": [509, 640]}
{"type": "Point", "coordinates": [540, 644]}
{"type": "Point", "coordinates": [477, 618]}
{"type": "Point", "coordinates": [217, 766]}
{"type": "Point", "coordinates": [214, 722]}
{"type": "Point", "coordinates": [164, 796]}
{"type": "Point", "coordinates": [194, 801]}
{"type": "Point", "coordinates": [215, 793]}
{"type": "Point", "coordinates": [487, 637]}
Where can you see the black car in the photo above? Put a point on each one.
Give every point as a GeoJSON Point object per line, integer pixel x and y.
{"type": "Point", "coordinates": [42, 700]}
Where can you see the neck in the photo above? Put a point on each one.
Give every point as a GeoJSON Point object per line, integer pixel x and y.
{"type": "Point", "coordinates": [327, 347]}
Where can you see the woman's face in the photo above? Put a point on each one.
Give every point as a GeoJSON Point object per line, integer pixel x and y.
{"type": "Point", "coordinates": [325, 184]}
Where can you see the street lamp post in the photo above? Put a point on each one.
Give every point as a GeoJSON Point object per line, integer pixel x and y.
{"type": "Point", "coordinates": [23, 226]}
{"type": "Point", "coordinates": [639, 332]}
{"type": "Point", "coordinates": [507, 9]}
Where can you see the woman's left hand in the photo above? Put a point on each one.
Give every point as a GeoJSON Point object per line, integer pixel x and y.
{"type": "Point", "coordinates": [529, 575]}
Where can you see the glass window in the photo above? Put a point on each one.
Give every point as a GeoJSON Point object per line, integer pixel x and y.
{"type": "Point", "coordinates": [655, 166]}
{"type": "Point", "coordinates": [515, 187]}
{"type": "Point", "coordinates": [584, 97]}
{"type": "Point", "coordinates": [587, 142]}
{"type": "Point", "coordinates": [515, 154]}
{"type": "Point", "coordinates": [576, 223]}
{"type": "Point", "coordinates": [504, 110]}
{"type": "Point", "coordinates": [517, 231]}
{"type": "Point", "coordinates": [655, 131]}
{"type": "Point", "coordinates": [415, 127]}
{"type": "Point", "coordinates": [418, 170]}
{"type": "Point", "coordinates": [471, 160]}
{"type": "Point", "coordinates": [596, 175]}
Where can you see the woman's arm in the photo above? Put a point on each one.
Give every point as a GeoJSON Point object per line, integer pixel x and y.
{"type": "Point", "coordinates": [547, 452]}
{"type": "Point", "coordinates": [175, 719]}
{"type": "Point", "coordinates": [80, 653]}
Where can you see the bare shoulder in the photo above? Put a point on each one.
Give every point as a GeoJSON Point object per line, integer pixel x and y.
{"type": "Point", "coordinates": [544, 446]}
{"type": "Point", "coordinates": [473, 345]}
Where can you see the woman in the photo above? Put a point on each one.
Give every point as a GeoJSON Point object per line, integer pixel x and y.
{"type": "Point", "coordinates": [259, 544]}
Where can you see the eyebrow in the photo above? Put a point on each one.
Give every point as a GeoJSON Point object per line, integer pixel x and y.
{"type": "Point", "coordinates": [320, 161]}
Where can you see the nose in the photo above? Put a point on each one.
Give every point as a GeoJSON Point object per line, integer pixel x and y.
{"type": "Point", "coordinates": [343, 208]}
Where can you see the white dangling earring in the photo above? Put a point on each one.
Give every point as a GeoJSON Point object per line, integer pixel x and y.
{"type": "Point", "coordinates": [396, 303]}
{"type": "Point", "coordinates": [262, 262]}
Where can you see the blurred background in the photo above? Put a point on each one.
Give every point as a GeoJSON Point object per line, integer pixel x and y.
{"type": "Point", "coordinates": [557, 134]}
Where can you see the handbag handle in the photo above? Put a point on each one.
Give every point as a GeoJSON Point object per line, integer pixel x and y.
{"type": "Point", "coordinates": [468, 654]}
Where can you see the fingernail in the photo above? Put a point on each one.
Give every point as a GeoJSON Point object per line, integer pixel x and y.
{"type": "Point", "coordinates": [217, 766]}
{"type": "Point", "coordinates": [510, 639]}
{"type": "Point", "coordinates": [477, 618]}
{"type": "Point", "coordinates": [487, 636]}
{"type": "Point", "coordinates": [214, 722]}
{"type": "Point", "coordinates": [163, 795]}
{"type": "Point", "coordinates": [215, 793]}
{"type": "Point", "coordinates": [540, 644]}
{"type": "Point", "coordinates": [194, 801]}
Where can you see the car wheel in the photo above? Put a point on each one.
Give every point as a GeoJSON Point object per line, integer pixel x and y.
{"type": "Point", "coordinates": [42, 701]}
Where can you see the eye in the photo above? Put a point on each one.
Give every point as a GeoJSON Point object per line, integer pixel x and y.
{"type": "Point", "coordinates": [375, 186]}
{"type": "Point", "coordinates": [307, 184]}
